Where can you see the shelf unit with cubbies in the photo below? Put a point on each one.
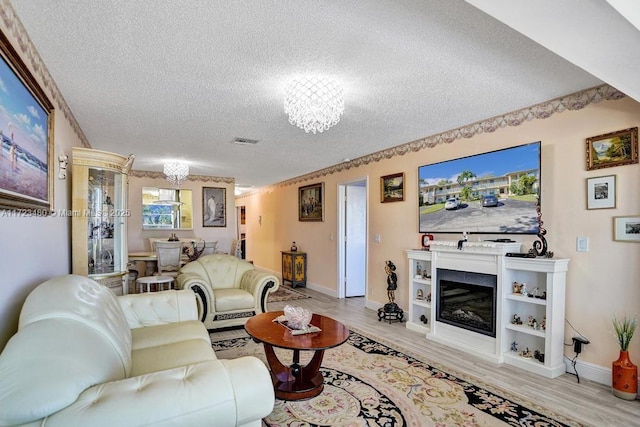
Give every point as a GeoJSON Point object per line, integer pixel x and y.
{"type": "Point", "coordinates": [420, 274]}
{"type": "Point", "coordinates": [543, 300]}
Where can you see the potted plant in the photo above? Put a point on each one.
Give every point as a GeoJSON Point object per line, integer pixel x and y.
{"type": "Point", "coordinates": [624, 373]}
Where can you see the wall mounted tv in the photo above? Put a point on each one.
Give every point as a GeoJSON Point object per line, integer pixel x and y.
{"type": "Point", "coordinates": [490, 193]}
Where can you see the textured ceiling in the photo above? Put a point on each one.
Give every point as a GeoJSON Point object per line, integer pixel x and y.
{"type": "Point", "coordinates": [181, 79]}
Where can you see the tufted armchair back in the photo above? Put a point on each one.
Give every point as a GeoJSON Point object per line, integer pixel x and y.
{"type": "Point", "coordinates": [221, 271]}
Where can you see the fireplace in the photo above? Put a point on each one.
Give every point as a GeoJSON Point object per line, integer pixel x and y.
{"type": "Point", "coordinates": [467, 300]}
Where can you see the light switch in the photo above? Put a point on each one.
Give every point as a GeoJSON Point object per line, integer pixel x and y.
{"type": "Point", "coordinates": [582, 244]}
{"type": "Point", "coordinates": [376, 238]}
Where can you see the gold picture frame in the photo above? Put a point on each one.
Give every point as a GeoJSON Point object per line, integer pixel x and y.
{"type": "Point", "coordinates": [311, 202]}
{"type": "Point", "coordinates": [26, 145]}
{"type": "Point", "coordinates": [392, 188]}
{"type": "Point", "coordinates": [626, 228]}
{"type": "Point", "coordinates": [601, 192]}
{"type": "Point", "coordinates": [612, 149]}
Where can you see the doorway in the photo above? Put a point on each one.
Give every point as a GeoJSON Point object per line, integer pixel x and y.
{"type": "Point", "coordinates": [352, 240]}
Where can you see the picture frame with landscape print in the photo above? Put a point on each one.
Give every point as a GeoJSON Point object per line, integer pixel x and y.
{"type": "Point", "coordinates": [392, 188]}
{"type": "Point", "coordinates": [311, 202]}
{"type": "Point", "coordinates": [26, 138]}
{"type": "Point", "coordinates": [612, 149]}
{"type": "Point", "coordinates": [626, 228]}
{"type": "Point", "coordinates": [601, 192]}
{"type": "Point", "coordinates": [214, 207]}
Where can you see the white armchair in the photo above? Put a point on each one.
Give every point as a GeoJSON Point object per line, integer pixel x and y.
{"type": "Point", "coordinates": [228, 290]}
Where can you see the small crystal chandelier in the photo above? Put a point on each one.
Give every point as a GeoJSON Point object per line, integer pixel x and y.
{"type": "Point", "coordinates": [176, 172]}
{"type": "Point", "coordinates": [313, 103]}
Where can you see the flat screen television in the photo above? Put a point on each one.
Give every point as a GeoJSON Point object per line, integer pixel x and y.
{"type": "Point", "coordinates": [489, 193]}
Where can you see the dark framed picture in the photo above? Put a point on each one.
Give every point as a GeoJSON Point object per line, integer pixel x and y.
{"type": "Point", "coordinates": [214, 207]}
{"type": "Point", "coordinates": [311, 202]}
{"type": "Point", "coordinates": [626, 228]}
{"type": "Point", "coordinates": [612, 149]}
{"type": "Point", "coordinates": [392, 188]}
{"type": "Point", "coordinates": [601, 192]}
{"type": "Point", "coordinates": [26, 137]}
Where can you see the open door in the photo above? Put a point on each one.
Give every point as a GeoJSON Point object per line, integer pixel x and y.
{"type": "Point", "coordinates": [353, 240]}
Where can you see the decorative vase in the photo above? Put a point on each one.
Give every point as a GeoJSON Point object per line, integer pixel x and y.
{"type": "Point", "coordinates": [294, 247]}
{"type": "Point", "coordinates": [624, 377]}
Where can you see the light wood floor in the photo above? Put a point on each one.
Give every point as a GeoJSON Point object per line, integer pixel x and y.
{"type": "Point", "coordinates": [587, 402]}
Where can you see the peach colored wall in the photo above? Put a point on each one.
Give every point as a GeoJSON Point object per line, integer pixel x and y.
{"type": "Point", "coordinates": [138, 239]}
{"type": "Point", "coordinates": [601, 283]}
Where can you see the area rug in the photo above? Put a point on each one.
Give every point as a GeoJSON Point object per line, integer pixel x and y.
{"type": "Point", "coordinates": [368, 383]}
{"type": "Point", "coordinates": [284, 293]}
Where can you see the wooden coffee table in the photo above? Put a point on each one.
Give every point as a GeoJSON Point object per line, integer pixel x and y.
{"type": "Point", "coordinates": [296, 382]}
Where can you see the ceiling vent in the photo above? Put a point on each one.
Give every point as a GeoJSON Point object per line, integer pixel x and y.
{"type": "Point", "coordinates": [244, 141]}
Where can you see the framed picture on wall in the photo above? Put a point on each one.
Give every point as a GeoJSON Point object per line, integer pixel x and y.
{"type": "Point", "coordinates": [601, 192]}
{"type": "Point", "coordinates": [612, 149]}
{"type": "Point", "coordinates": [26, 138]}
{"type": "Point", "coordinates": [311, 202]}
{"type": "Point", "coordinates": [214, 207]}
{"type": "Point", "coordinates": [392, 188]}
{"type": "Point", "coordinates": [626, 228]}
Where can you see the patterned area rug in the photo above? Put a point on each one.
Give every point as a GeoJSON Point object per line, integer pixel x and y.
{"type": "Point", "coordinates": [284, 293]}
{"type": "Point", "coordinates": [368, 383]}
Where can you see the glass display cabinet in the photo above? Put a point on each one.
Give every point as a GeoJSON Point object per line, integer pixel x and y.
{"type": "Point", "coordinates": [99, 216]}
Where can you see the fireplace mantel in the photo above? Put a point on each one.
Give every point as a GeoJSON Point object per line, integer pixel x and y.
{"type": "Point", "coordinates": [488, 257]}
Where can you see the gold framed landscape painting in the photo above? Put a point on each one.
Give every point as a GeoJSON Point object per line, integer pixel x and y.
{"type": "Point", "coordinates": [612, 149]}
{"type": "Point", "coordinates": [26, 138]}
{"type": "Point", "coordinates": [392, 188]}
{"type": "Point", "coordinates": [311, 202]}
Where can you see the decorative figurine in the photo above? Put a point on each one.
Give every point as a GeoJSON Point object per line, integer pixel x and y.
{"type": "Point", "coordinates": [420, 294]}
{"type": "Point", "coordinates": [429, 297]}
{"type": "Point", "coordinates": [516, 320]}
{"type": "Point", "coordinates": [391, 311]}
{"type": "Point", "coordinates": [517, 288]}
{"type": "Point", "coordinates": [419, 269]}
{"type": "Point", "coordinates": [532, 322]}
{"type": "Point", "coordinates": [526, 353]}
{"type": "Point", "coordinates": [543, 324]}
{"type": "Point", "coordinates": [538, 356]}
{"type": "Point", "coordinates": [294, 247]}
{"type": "Point", "coordinates": [514, 346]}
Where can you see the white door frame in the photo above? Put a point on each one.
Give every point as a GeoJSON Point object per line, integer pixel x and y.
{"type": "Point", "coordinates": [341, 232]}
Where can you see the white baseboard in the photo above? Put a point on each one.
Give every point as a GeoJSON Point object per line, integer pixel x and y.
{"type": "Point", "coordinates": [589, 371]}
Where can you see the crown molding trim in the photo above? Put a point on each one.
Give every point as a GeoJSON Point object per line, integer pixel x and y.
{"type": "Point", "coordinates": [574, 101]}
{"type": "Point", "coordinates": [31, 56]}
{"type": "Point", "coordinates": [199, 178]}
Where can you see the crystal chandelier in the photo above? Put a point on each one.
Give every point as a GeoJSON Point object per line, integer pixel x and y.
{"type": "Point", "coordinates": [314, 104]}
{"type": "Point", "coordinates": [176, 172]}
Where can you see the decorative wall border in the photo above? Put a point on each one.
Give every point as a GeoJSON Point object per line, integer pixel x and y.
{"type": "Point", "coordinates": [200, 178]}
{"type": "Point", "coordinates": [31, 56]}
{"type": "Point", "coordinates": [574, 101]}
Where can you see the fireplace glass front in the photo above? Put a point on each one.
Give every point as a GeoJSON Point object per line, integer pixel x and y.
{"type": "Point", "coordinates": [467, 300]}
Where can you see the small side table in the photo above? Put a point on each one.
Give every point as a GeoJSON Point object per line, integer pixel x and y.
{"type": "Point", "coordinates": [158, 280]}
{"type": "Point", "coordinates": [294, 268]}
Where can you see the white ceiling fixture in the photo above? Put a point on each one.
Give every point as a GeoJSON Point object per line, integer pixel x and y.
{"type": "Point", "coordinates": [176, 172]}
{"type": "Point", "coordinates": [314, 104]}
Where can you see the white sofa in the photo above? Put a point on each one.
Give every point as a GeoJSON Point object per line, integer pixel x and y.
{"type": "Point", "coordinates": [229, 290]}
{"type": "Point", "coordinates": [84, 357]}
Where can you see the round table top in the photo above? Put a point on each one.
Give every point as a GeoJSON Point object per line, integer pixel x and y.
{"type": "Point", "coordinates": [155, 279]}
{"type": "Point", "coordinates": [262, 328]}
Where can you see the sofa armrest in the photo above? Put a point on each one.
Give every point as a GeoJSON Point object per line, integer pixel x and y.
{"type": "Point", "coordinates": [259, 284]}
{"type": "Point", "coordinates": [156, 308]}
{"type": "Point", "coordinates": [199, 394]}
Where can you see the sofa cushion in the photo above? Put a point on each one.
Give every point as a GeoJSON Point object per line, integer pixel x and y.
{"type": "Point", "coordinates": [233, 299]}
{"type": "Point", "coordinates": [151, 336]}
{"type": "Point", "coordinates": [170, 355]}
{"type": "Point", "coordinates": [48, 364]}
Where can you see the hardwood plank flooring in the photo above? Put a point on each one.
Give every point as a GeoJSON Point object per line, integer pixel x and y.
{"type": "Point", "coordinates": [588, 402]}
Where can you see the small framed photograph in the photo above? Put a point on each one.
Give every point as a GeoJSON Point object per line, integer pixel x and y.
{"type": "Point", "coordinates": [392, 188]}
{"type": "Point", "coordinates": [626, 228]}
{"type": "Point", "coordinates": [214, 207]}
{"type": "Point", "coordinates": [612, 149]}
{"type": "Point", "coordinates": [601, 192]}
{"type": "Point", "coordinates": [311, 202]}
